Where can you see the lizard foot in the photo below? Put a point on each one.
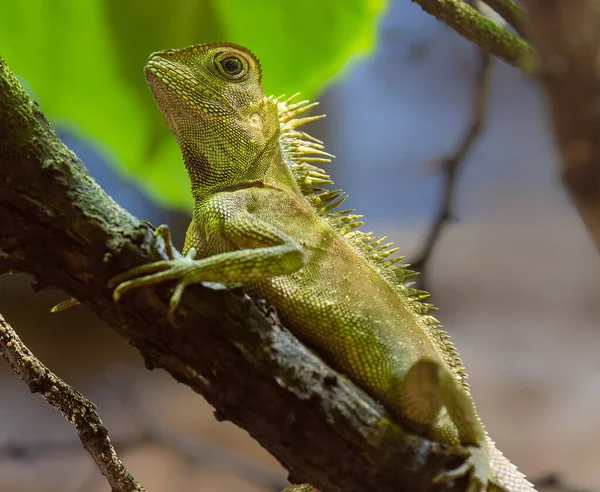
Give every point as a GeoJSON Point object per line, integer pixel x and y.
{"type": "Point", "coordinates": [476, 466]}
{"type": "Point", "coordinates": [175, 268]}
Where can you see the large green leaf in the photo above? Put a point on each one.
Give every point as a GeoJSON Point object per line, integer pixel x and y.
{"type": "Point", "coordinates": [65, 52]}
{"type": "Point", "coordinates": [301, 44]}
{"type": "Point", "coordinates": [83, 61]}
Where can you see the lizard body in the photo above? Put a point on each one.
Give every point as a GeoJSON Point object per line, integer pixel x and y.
{"type": "Point", "coordinates": [261, 219]}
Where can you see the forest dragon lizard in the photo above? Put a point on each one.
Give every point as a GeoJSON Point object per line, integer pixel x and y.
{"type": "Point", "coordinates": [262, 219]}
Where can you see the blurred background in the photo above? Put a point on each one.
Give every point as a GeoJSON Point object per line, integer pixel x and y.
{"type": "Point", "coordinates": [514, 273]}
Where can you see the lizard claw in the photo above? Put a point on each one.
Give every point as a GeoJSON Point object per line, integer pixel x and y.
{"type": "Point", "coordinates": [164, 233]}
{"type": "Point", "coordinates": [137, 274]}
{"type": "Point", "coordinates": [154, 273]}
{"type": "Point", "coordinates": [175, 268]}
{"type": "Point", "coordinates": [476, 465]}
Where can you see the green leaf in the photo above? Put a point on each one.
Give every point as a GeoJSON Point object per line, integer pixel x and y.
{"type": "Point", "coordinates": [65, 52]}
{"type": "Point", "coordinates": [83, 62]}
{"type": "Point", "coordinates": [302, 44]}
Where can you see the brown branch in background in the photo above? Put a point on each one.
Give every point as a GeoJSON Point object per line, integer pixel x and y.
{"type": "Point", "coordinates": [510, 12]}
{"type": "Point", "coordinates": [567, 37]}
{"type": "Point", "coordinates": [452, 166]}
{"type": "Point", "coordinates": [73, 405]}
{"type": "Point", "coordinates": [484, 32]}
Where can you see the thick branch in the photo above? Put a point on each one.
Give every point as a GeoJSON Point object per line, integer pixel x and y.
{"type": "Point", "coordinates": [567, 37]}
{"type": "Point", "coordinates": [484, 32]}
{"type": "Point", "coordinates": [73, 405]}
{"type": "Point", "coordinates": [60, 227]}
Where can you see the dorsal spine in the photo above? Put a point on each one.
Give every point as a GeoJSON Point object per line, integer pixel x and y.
{"type": "Point", "coordinates": [302, 152]}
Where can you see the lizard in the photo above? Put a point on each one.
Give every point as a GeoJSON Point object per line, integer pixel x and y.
{"type": "Point", "coordinates": [263, 219]}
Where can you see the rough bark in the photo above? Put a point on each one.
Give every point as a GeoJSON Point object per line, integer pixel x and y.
{"type": "Point", "coordinates": [511, 12]}
{"type": "Point", "coordinates": [77, 409]}
{"type": "Point", "coordinates": [59, 226]}
{"type": "Point", "coordinates": [484, 32]}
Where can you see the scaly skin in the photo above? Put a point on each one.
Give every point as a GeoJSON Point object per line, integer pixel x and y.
{"type": "Point", "coordinates": [260, 220]}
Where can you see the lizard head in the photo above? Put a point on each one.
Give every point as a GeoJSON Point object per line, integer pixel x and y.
{"type": "Point", "coordinates": [213, 102]}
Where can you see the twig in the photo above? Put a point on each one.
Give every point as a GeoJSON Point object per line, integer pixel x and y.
{"type": "Point", "coordinates": [191, 449]}
{"type": "Point", "coordinates": [452, 165]}
{"type": "Point", "coordinates": [73, 405]}
{"type": "Point", "coordinates": [568, 40]}
{"type": "Point", "coordinates": [510, 12]}
{"type": "Point", "coordinates": [146, 432]}
{"type": "Point", "coordinates": [484, 32]}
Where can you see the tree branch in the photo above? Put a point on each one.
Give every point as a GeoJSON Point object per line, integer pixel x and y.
{"type": "Point", "coordinates": [60, 227]}
{"type": "Point", "coordinates": [567, 37]}
{"type": "Point", "coordinates": [73, 405]}
{"type": "Point", "coordinates": [193, 450]}
{"type": "Point", "coordinates": [510, 12]}
{"type": "Point", "coordinates": [484, 32]}
{"type": "Point", "coordinates": [145, 431]}
{"type": "Point", "coordinates": [453, 163]}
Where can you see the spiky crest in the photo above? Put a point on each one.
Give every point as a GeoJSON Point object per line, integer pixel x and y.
{"type": "Point", "coordinates": [302, 152]}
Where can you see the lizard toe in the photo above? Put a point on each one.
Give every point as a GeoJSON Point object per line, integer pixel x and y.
{"type": "Point", "coordinates": [476, 466]}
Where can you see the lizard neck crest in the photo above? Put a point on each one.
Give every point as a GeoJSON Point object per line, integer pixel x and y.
{"type": "Point", "coordinates": [303, 153]}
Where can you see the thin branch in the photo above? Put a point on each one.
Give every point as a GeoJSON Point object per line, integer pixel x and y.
{"type": "Point", "coordinates": [453, 164]}
{"type": "Point", "coordinates": [192, 449]}
{"type": "Point", "coordinates": [73, 405]}
{"type": "Point", "coordinates": [61, 228]}
{"type": "Point", "coordinates": [511, 12]}
{"type": "Point", "coordinates": [484, 32]}
{"type": "Point", "coordinates": [568, 39]}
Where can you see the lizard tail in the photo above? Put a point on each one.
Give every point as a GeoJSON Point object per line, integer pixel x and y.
{"type": "Point", "coordinates": [504, 474]}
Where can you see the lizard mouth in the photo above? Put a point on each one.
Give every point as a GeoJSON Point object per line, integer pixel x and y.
{"type": "Point", "coordinates": [177, 79]}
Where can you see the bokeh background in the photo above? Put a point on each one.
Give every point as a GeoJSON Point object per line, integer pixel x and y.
{"type": "Point", "coordinates": [514, 274]}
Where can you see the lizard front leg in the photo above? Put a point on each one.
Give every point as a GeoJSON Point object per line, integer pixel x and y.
{"type": "Point", "coordinates": [264, 252]}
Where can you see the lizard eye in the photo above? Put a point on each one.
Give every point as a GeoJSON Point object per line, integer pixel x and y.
{"type": "Point", "coordinates": [231, 66]}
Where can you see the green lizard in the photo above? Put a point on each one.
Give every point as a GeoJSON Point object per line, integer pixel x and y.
{"type": "Point", "coordinates": [261, 219]}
